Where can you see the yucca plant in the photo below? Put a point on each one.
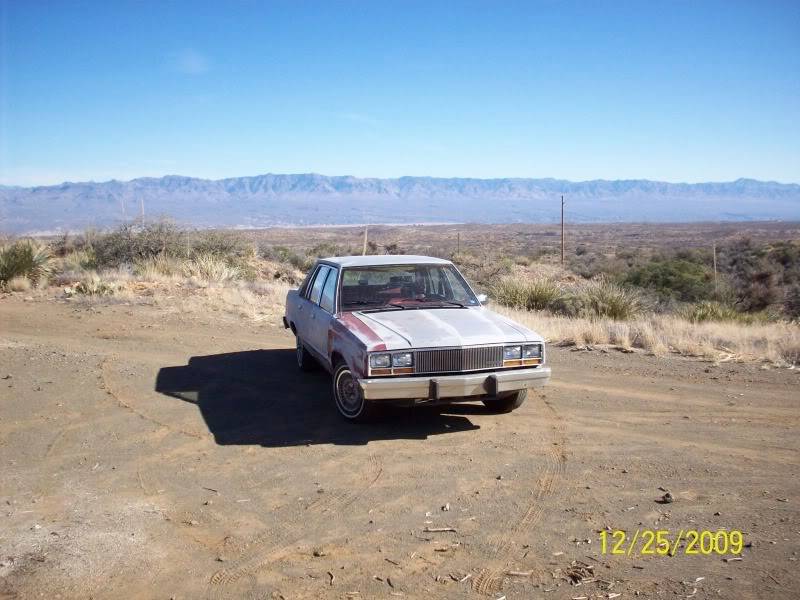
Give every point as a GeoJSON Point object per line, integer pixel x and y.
{"type": "Point", "coordinates": [606, 299]}
{"type": "Point", "coordinates": [528, 294]}
{"type": "Point", "coordinates": [25, 258]}
{"type": "Point", "coordinates": [210, 268]}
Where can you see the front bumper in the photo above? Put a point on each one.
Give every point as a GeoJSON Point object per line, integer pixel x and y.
{"type": "Point", "coordinates": [453, 386]}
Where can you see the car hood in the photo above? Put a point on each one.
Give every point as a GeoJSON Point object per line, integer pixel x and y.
{"type": "Point", "coordinates": [432, 327]}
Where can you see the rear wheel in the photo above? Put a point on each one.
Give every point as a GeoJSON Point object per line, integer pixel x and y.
{"type": "Point", "coordinates": [347, 393]}
{"type": "Point", "coordinates": [305, 361]}
{"type": "Point", "coordinates": [505, 403]}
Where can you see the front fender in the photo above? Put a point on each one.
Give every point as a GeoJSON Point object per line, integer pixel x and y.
{"type": "Point", "coordinates": [342, 342]}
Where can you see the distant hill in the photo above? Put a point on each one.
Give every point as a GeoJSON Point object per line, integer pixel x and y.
{"type": "Point", "coordinates": [311, 199]}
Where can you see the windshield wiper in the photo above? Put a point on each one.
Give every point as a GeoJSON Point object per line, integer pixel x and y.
{"type": "Point", "coordinates": [437, 300]}
{"type": "Point", "coordinates": [387, 306]}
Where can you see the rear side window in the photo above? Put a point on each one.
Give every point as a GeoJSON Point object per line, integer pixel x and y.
{"type": "Point", "coordinates": [329, 292]}
{"type": "Point", "coordinates": [319, 282]}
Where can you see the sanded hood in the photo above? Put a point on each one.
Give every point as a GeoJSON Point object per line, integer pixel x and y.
{"type": "Point", "coordinates": [432, 327]}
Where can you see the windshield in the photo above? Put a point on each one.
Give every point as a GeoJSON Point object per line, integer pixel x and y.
{"type": "Point", "coordinates": [405, 286]}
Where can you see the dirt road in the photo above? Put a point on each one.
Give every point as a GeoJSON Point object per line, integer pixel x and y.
{"type": "Point", "coordinates": [149, 454]}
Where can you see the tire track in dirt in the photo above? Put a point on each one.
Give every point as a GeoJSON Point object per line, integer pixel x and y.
{"type": "Point", "coordinates": [272, 543]}
{"type": "Point", "coordinates": [490, 580]}
{"type": "Point", "coordinates": [106, 386]}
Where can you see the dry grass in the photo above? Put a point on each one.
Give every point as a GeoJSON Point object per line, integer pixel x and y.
{"type": "Point", "coordinates": [19, 284]}
{"type": "Point", "coordinates": [571, 298]}
{"type": "Point", "coordinates": [210, 268]}
{"type": "Point", "coordinates": [776, 343]}
{"type": "Point", "coordinates": [257, 302]}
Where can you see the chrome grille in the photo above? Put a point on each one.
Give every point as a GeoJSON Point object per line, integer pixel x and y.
{"type": "Point", "coordinates": [452, 360]}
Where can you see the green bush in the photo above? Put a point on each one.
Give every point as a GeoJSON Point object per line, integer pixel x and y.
{"type": "Point", "coordinates": [25, 258]}
{"type": "Point", "coordinates": [132, 243]}
{"type": "Point", "coordinates": [676, 278]}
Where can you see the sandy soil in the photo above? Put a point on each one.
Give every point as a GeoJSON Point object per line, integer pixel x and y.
{"type": "Point", "coordinates": [150, 454]}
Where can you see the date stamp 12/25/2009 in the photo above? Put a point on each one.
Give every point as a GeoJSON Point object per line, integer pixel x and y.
{"type": "Point", "coordinates": [662, 542]}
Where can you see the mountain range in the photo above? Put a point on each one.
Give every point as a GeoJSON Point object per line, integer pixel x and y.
{"type": "Point", "coordinates": [311, 199]}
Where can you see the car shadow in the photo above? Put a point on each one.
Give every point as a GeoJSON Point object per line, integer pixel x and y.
{"type": "Point", "coordinates": [260, 397]}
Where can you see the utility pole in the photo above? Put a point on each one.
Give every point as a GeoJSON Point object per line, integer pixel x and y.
{"type": "Point", "coordinates": [364, 251]}
{"type": "Point", "coordinates": [458, 243]}
{"type": "Point", "coordinates": [562, 232]}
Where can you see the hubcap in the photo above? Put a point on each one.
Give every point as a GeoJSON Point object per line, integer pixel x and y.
{"type": "Point", "coordinates": [348, 393]}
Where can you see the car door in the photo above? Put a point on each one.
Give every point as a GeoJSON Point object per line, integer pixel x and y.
{"type": "Point", "coordinates": [322, 311]}
{"type": "Point", "coordinates": [306, 304]}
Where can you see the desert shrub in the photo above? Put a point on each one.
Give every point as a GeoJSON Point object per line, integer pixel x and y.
{"type": "Point", "coordinates": [131, 243]}
{"type": "Point", "coordinates": [529, 294]}
{"type": "Point", "coordinates": [606, 299]}
{"type": "Point", "coordinates": [282, 254]}
{"type": "Point", "coordinates": [224, 244]}
{"type": "Point", "coordinates": [25, 258]}
{"type": "Point", "coordinates": [329, 249]}
{"type": "Point", "coordinates": [68, 243]}
{"type": "Point", "coordinates": [79, 260]}
{"type": "Point", "coordinates": [753, 276]}
{"type": "Point", "coordinates": [791, 302]}
{"type": "Point", "coordinates": [786, 257]}
{"type": "Point", "coordinates": [485, 271]}
{"type": "Point", "coordinates": [592, 264]}
{"type": "Point", "coordinates": [599, 298]}
{"type": "Point", "coordinates": [676, 278]}
{"type": "Point", "coordinates": [154, 267]}
{"type": "Point", "coordinates": [208, 267]}
{"type": "Point", "coordinates": [94, 285]}
{"type": "Point", "coordinates": [710, 311]}
{"type": "Point", "coordinates": [19, 284]}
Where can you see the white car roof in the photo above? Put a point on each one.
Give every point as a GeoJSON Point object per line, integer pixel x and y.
{"type": "Point", "coordinates": [383, 259]}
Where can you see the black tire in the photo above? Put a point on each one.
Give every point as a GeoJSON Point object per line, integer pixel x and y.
{"type": "Point", "coordinates": [507, 402]}
{"type": "Point", "coordinates": [305, 362]}
{"type": "Point", "coordinates": [348, 397]}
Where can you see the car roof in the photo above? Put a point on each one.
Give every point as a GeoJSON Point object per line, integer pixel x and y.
{"type": "Point", "coordinates": [375, 260]}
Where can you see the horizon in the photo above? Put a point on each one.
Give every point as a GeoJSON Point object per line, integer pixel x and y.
{"type": "Point", "coordinates": [678, 93]}
{"type": "Point", "coordinates": [346, 176]}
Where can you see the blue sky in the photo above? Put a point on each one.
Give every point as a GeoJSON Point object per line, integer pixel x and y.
{"type": "Point", "coordinates": [674, 91]}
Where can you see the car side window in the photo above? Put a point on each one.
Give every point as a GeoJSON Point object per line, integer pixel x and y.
{"type": "Point", "coordinates": [319, 282]}
{"type": "Point", "coordinates": [328, 300]}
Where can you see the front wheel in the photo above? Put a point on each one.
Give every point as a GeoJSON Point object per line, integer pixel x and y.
{"type": "Point", "coordinates": [507, 402]}
{"type": "Point", "coordinates": [347, 393]}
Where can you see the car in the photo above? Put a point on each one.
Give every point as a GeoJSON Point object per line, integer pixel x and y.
{"type": "Point", "coordinates": [409, 329]}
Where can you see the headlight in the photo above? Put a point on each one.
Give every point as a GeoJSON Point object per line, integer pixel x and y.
{"type": "Point", "coordinates": [402, 359]}
{"type": "Point", "coordinates": [512, 352]}
{"type": "Point", "coordinates": [380, 361]}
{"type": "Point", "coordinates": [532, 351]}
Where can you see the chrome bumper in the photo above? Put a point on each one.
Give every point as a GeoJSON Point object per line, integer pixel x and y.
{"type": "Point", "coordinates": [453, 386]}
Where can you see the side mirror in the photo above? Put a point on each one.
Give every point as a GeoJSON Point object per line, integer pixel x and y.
{"type": "Point", "coordinates": [483, 298]}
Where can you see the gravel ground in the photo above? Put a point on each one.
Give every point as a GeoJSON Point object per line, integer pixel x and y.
{"type": "Point", "coordinates": [151, 454]}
